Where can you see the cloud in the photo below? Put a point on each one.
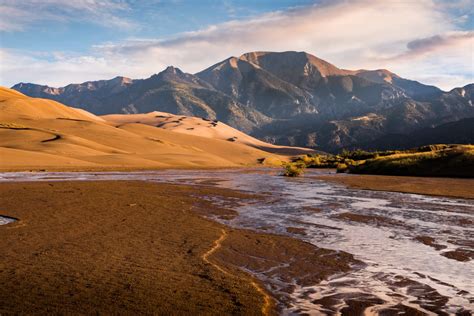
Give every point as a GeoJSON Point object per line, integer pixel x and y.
{"type": "Point", "coordinates": [21, 15]}
{"type": "Point", "coordinates": [393, 34]}
{"type": "Point", "coordinates": [436, 43]}
{"type": "Point", "coordinates": [445, 60]}
{"type": "Point", "coordinates": [56, 68]}
{"type": "Point", "coordinates": [328, 30]}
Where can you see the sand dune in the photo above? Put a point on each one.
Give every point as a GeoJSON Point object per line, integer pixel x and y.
{"type": "Point", "coordinates": [200, 127]}
{"type": "Point", "coordinates": [15, 105]}
{"type": "Point", "coordinates": [43, 134]}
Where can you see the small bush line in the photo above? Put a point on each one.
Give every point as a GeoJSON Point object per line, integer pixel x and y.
{"type": "Point", "coordinates": [442, 160]}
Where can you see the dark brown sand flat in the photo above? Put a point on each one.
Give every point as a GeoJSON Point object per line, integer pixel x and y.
{"type": "Point", "coordinates": [369, 219]}
{"type": "Point", "coordinates": [449, 187]}
{"type": "Point", "coordinates": [134, 247]}
{"type": "Point", "coordinates": [283, 258]}
{"type": "Point", "coordinates": [430, 241]}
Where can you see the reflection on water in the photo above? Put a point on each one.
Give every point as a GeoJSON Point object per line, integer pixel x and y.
{"type": "Point", "coordinates": [406, 240]}
{"type": "Point", "coordinates": [6, 220]}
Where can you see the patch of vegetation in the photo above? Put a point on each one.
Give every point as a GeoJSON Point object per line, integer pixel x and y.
{"type": "Point", "coordinates": [435, 160]}
{"type": "Point", "coordinates": [440, 160]}
{"type": "Point", "coordinates": [360, 154]}
{"type": "Point", "coordinates": [342, 167]}
{"type": "Point", "coordinates": [294, 169]}
{"type": "Point", "coordinates": [320, 161]}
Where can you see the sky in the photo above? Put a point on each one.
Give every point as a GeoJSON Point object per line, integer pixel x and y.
{"type": "Point", "coordinates": [57, 42]}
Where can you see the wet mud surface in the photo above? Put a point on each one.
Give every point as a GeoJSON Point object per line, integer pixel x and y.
{"type": "Point", "coordinates": [135, 247]}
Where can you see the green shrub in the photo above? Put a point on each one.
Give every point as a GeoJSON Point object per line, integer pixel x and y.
{"type": "Point", "coordinates": [319, 161]}
{"type": "Point", "coordinates": [342, 167]}
{"type": "Point", "coordinates": [294, 169]}
{"type": "Point", "coordinates": [360, 154]}
{"type": "Point", "coordinates": [435, 147]}
{"type": "Point", "coordinates": [306, 159]}
{"type": "Point", "coordinates": [432, 160]}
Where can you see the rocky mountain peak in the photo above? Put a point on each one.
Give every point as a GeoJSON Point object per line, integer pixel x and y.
{"type": "Point", "coordinates": [379, 75]}
{"type": "Point", "coordinates": [170, 73]}
{"type": "Point", "coordinates": [121, 80]}
{"type": "Point", "coordinates": [301, 62]}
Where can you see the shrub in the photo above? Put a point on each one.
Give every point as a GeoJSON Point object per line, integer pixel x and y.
{"type": "Point", "coordinates": [294, 169]}
{"type": "Point", "coordinates": [360, 154]}
{"type": "Point", "coordinates": [342, 167]}
{"type": "Point", "coordinates": [319, 161]}
{"type": "Point", "coordinates": [434, 147]}
{"type": "Point", "coordinates": [433, 160]}
{"type": "Point", "coordinates": [316, 161]}
{"type": "Point", "coordinates": [306, 159]}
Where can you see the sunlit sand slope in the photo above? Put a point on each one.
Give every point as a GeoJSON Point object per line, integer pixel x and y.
{"type": "Point", "coordinates": [43, 134]}
{"type": "Point", "coordinates": [201, 127]}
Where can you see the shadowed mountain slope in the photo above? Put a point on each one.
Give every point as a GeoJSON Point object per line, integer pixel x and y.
{"type": "Point", "coordinates": [458, 132]}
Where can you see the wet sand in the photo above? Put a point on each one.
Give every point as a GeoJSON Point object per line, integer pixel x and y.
{"type": "Point", "coordinates": [134, 247]}
{"type": "Point", "coordinates": [450, 187]}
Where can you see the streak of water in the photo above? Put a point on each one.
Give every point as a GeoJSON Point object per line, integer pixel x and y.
{"type": "Point", "coordinates": [6, 220]}
{"type": "Point", "coordinates": [382, 229]}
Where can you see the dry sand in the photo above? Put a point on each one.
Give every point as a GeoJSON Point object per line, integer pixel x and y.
{"type": "Point", "coordinates": [131, 247]}
{"type": "Point", "coordinates": [201, 127]}
{"type": "Point", "coordinates": [452, 187]}
{"type": "Point", "coordinates": [40, 134]}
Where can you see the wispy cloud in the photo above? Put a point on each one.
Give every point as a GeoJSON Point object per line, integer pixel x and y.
{"type": "Point", "coordinates": [445, 60]}
{"type": "Point", "coordinates": [347, 33]}
{"type": "Point", "coordinates": [21, 15]}
{"type": "Point", "coordinates": [417, 39]}
{"type": "Point", "coordinates": [432, 44]}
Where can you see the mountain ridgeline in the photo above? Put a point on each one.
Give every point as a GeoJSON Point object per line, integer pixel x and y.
{"type": "Point", "coordinates": [288, 98]}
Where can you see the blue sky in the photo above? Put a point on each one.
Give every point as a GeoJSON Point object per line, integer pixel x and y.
{"type": "Point", "coordinates": [140, 19]}
{"type": "Point", "coordinates": [56, 42]}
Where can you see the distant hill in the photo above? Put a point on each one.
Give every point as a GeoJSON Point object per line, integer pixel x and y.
{"type": "Point", "coordinates": [458, 132]}
{"type": "Point", "coordinates": [288, 98]}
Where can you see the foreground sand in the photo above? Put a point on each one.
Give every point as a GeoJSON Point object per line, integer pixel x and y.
{"type": "Point", "coordinates": [451, 187]}
{"type": "Point", "coordinates": [133, 247]}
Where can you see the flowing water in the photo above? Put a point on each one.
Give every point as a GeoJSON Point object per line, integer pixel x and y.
{"type": "Point", "coordinates": [6, 220]}
{"type": "Point", "coordinates": [408, 243]}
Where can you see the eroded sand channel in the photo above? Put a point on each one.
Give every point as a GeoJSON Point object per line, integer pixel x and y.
{"type": "Point", "coordinates": [418, 250]}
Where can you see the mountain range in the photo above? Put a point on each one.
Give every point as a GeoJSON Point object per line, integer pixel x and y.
{"type": "Point", "coordinates": [287, 98]}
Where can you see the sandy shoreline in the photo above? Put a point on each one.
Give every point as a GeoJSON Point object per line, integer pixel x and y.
{"type": "Point", "coordinates": [449, 187]}
{"type": "Point", "coordinates": [138, 247]}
